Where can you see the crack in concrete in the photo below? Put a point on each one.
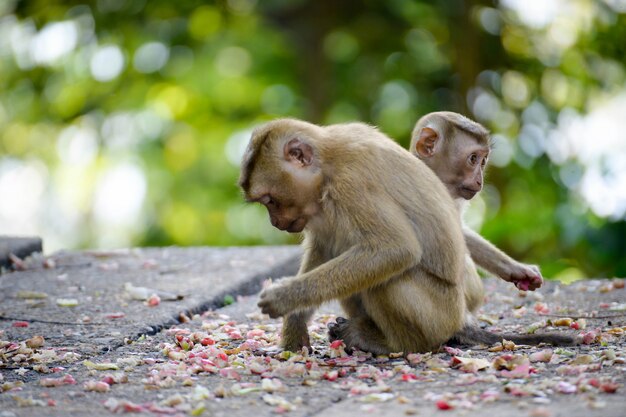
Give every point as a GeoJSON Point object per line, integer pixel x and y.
{"type": "Point", "coordinates": [249, 287]}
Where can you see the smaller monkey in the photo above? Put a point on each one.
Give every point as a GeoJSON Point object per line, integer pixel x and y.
{"type": "Point", "coordinates": [457, 150]}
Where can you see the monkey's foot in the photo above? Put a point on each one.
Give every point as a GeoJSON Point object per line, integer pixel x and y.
{"type": "Point", "coordinates": [338, 330]}
{"type": "Point", "coordinates": [358, 333]}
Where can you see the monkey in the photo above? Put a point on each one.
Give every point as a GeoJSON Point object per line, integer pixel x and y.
{"type": "Point", "coordinates": [381, 234]}
{"type": "Point", "coordinates": [457, 149]}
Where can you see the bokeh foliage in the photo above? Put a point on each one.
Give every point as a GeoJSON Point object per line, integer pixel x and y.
{"type": "Point", "coordinates": [121, 121]}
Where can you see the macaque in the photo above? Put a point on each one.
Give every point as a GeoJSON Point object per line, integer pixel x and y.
{"type": "Point", "coordinates": [457, 150]}
{"type": "Point", "coordinates": [381, 234]}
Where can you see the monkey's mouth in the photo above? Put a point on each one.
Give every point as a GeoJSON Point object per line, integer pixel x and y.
{"type": "Point", "coordinates": [296, 226]}
{"type": "Point", "coordinates": [467, 193]}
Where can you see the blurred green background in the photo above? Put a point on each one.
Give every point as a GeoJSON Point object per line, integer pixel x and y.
{"type": "Point", "coordinates": [122, 122]}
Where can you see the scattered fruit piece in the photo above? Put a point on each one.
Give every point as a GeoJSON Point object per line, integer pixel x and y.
{"type": "Point", "coordinates": [35, 342]}
{"type": "Point", "coordinates": [103, 366]}
{"type": "Point", "coordinates": [444, 405]}
{"type": "Point", "coordinates": [31, 295]}
{"type": "Point", "coordinates": [67, 302]}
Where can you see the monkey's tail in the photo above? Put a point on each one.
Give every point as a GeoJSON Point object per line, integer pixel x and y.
{"type": "Point", "coordinates": [473, 335]}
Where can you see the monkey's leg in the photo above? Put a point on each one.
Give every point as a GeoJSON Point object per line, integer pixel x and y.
{"type": "Point", "coordinates": [417, 311]}
{"type": "Point", "coordinates": [353, 305]}
{"type": "Point", "coordinates": [358, 332]}
{"type": "Point", "coordinates": [295, 331]}
{"type": "Point", "coordinates": [295, 334]}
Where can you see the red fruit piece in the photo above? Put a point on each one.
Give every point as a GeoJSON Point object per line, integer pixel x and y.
{"type": "Point", "coordinates": [207, 341]}
{"type": "Point", "coordinates": [336, 344]}
{"type": "Point", "coordinates": [444, 405]}
{"type": "Point", "coordinates": [609, 387]}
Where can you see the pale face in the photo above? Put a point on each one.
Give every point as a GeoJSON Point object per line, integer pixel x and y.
{"type": "Point", "coordinates": [471, 162]}
{"type": "Point", "coordinates": [461, 166]}
{"type": "Point", "coordinates": [291, 201]}
{"type": "Point", "coordinates": [285, 178]}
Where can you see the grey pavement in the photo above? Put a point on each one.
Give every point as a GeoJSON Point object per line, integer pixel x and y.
{"type": "Point", "coordinates": [85, 306]}
{"type": "Point", "coordinates": [189, 280]}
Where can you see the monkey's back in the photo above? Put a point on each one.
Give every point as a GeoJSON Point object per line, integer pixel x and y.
{"type": "Point", "coordinates": [385, 171]}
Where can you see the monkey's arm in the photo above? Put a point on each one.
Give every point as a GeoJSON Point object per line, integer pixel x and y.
{"type": "Point", "coordinates": [489, 257]}
{"type": "Point", "coordinates": [295, 333]}
{"type": "Point", "coordinates": [360, 267]}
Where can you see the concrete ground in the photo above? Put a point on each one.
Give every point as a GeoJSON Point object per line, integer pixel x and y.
{"type": "Point", "coordinates": [175, 331]}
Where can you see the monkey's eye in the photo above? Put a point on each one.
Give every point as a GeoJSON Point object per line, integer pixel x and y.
{"type": "Point", "coordinates": [483, 162]}
{"type": "Point", "coordinates": [266, 200]}
{"type": "Point", "coordinates": [271, 202]}
{"type": "Point", "coordinates": [473, 158]}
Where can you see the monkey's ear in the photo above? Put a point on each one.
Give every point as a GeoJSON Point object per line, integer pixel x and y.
{"type": "Point", "coordinates": [298, 152]}
{"type": "Point", "coordinates": [427, 142]}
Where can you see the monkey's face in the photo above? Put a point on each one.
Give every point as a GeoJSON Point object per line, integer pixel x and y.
{"type": "Point", "coordinates": [290, 202]}
{"type": "Point", "coordinates": [284, 214]}
{"type": "Point", "coordinates": [471, 163]}
{"type": "Point", "coordinates": [288, 186]}
{"type": "Point", "coordinates": [461, 166]}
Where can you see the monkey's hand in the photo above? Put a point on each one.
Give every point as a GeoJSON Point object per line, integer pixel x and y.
{"type": "Point", "coordinates": [276, 300]}
{"type": "Point", "coordinates": [524, 277]}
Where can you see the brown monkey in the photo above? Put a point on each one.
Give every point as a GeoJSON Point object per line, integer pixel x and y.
{"type": "Point", "coordinates": [382, 235]}
{"type": "Point", "coordinates": [457, 150]}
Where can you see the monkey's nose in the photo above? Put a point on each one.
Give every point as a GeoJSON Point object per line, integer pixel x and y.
{"type": "Point", "coordinates": [274, 221]}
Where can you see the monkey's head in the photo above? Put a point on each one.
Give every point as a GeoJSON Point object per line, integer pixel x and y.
{"type": "Point", "coordinates": [281, 170]}
{"type": "Point", "coordinates": [455, 148]}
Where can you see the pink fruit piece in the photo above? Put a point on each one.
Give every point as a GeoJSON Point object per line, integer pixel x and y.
{"type": "Point", "coordinates": [444, 405]}
{"type": "Point", "coordinates": [153, 300]}
{"type": "Point", "coordinates": [336, 344]}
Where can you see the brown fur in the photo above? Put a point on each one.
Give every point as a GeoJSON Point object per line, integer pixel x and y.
{"type": "Point", "coordinates": [382, 235]}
